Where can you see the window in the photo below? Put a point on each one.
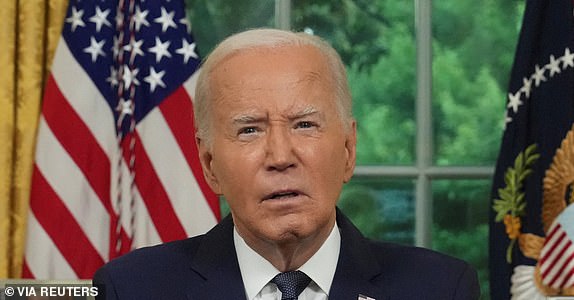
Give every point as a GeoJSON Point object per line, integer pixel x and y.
{"type": "Point", "coordinates": [429, 81]}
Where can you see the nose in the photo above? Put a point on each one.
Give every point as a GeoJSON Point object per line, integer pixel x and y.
{"type": "Point", "coordinates": [280, 154]}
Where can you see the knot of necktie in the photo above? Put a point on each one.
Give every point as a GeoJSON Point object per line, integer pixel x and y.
{"type": "Point", "coordinates": [291, 284]}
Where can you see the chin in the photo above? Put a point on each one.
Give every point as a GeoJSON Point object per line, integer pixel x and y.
{"type": "Point", "coordinates": [293, 232]}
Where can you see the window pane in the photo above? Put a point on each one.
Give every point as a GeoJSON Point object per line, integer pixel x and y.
{"type": "Point", "coordinates": [376, 41]}
{"type": "Point", "coordinates": [382, 209]}
{"type": "Point", "coordinates": [460, 222]}
{"type": "Point", "coordinates": [213, 20]}
{"type": "Point", "coordinates": [473, 50]}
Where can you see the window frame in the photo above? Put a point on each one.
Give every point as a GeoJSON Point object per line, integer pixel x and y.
{"type": "Point", "coordinates": [423, 171]}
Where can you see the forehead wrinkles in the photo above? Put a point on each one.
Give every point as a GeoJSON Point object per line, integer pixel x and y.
{"type": "Point", "coordinates": [304, 80]}
{"type": "Point", "coordinates": [228, 91]}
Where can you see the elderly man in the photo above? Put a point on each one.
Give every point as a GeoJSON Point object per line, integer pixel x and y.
{"type": "Point", "coordinates": [277, 138]}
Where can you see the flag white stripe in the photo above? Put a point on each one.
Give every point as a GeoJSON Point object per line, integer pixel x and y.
{"type": "Point", "coordinates": [171, 167]}
{"type": "Point", "coordinates": [561, 280]}
{"type": "Point", "coordinates": [44, 259]}
{"type": "Point", "coordinates": [550, 242]}
{"type": "Point", "coordinates": [558, 265]}
{"type": "Point", "coordinates": [146, 232]}
{"type": "Point", "coordinates": [548, 264]}
{"type": "Point", "coordinates": [551, 254]}
{"type": "Point", "coordinates": [569, 267]}
{"type": "Point", "coordinates": [73, 189]}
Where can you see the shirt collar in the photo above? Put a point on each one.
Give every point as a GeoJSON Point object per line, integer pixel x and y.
{"type": "Point", "coordinates": [256, 271]}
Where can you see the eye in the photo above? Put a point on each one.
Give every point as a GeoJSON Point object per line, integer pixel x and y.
{"type": "Point", "coordinates": [305, 124]}
{"type": "Point", "coordinates": [247, 130]}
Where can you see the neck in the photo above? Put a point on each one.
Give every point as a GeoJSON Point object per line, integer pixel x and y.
{"type": "Point", "coordinates": [291, 253]}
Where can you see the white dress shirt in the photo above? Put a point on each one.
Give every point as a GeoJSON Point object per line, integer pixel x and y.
{"type": "Point", "coordinates": [257, 272]}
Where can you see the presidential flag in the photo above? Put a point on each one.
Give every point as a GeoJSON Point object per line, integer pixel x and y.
{"type": "Point", "coordinates": [116, 165]}
{"type": "Point", "coordinates": [531, 254]}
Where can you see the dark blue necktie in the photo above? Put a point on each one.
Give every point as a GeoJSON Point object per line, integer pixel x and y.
{"type": "Point", "coordinates": [291, 284]}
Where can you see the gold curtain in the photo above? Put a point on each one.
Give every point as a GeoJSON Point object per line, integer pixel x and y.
{"type": "Point", "coordinates": [29, 32]}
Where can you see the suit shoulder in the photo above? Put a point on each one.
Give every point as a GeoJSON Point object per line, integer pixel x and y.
{"type": "Point", "coordinates": [147, 263]}
{"type": "Point", "coordinates": [431, 271]}
{"type": "Point", "coordinates": [415, 256]}
{"type": "Point", "coordinates": [158, 255]}
{"type": "Point", "coordinates": [150, 272]}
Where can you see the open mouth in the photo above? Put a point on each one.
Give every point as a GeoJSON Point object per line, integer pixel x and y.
{"type": "Point", "coordinates": [282, 195]}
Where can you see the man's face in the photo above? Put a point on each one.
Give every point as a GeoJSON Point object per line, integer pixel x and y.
{"type": "Point", "coordinates": [280, 152]}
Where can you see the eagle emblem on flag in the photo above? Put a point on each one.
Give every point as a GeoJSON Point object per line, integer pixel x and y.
{"type": "Point", "coordinates": [553, 274]}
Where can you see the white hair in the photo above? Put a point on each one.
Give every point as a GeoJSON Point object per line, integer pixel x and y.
{"type": "Point", "coordinates": [267, 39]}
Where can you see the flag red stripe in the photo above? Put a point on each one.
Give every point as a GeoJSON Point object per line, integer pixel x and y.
{"type": "Point", "coordinates": [155, 197]}
{"type": "Point", "coordinates": [76, 138]}
{"type": "Point", "coordinates": [26, 273]}
{"type": "Point", "coordinates": [552, 232]}
{"type": "Point", "coordinates": [177, 110]}
{"type": "Point", "coordinates": [47, 206]}
{"type": "Point", "coordinates": [562, 268]}
{"type": "Point", "coordinates": [555, 248]}
{"type": "Point", "coordinates": [568, 277]}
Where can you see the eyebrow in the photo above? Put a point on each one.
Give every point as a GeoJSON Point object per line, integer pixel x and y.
{"type": "Point", "coordinates": [307, 111]}
{"type": "Point", "coordinates": [249, 118]}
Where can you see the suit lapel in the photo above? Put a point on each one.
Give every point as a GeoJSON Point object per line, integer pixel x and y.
{"type": "Point", "coordinates": [216, 264]}
{"type": "Point", "coordinates": [356, 269]}
{"type": "Point", "coordinates": [220, 277]}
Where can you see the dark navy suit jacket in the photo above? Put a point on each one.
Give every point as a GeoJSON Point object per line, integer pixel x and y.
{"type": "Point", "coordinates": [206, 267]}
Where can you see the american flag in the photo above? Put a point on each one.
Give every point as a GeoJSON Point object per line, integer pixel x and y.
{"type": "Point", "coordinates": [538, 120]}
{"type": "Point", "coordinates": [116, 165]}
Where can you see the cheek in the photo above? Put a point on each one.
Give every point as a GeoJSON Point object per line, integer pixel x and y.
{"type": "Point", "coordinates": [329, 158]}
{"type": "Point", "coordinates": [234, 169]}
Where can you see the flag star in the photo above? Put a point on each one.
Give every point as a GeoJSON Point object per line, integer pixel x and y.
{"type": "Point", "coordinates": [135, 47]}
{"type": "Point", "coordinates": [187, 50]}
{"type": "Point", "coordinates": [554, 66]}
{"type": "Point", "coordinates": [526, 87]}
{"type": "Point", "coordinates": [538, 76]}
{"type": "Point", "coordinates": [125, 107]}
{"type": "Point", "coordinates": [95, 48]}
{"type": "Point", "coordinates": [76, 19]}
{"type": "Point", "coordinates": [187, 24]}
{"type": "Point", "coordinates": [160, 49]}
{"type": "Point", "coordinates": [166, 20]}
{"type": "Point", "coordinates": [154, 79]}
{"type": "Point", "coordinates": [514, 101]}
{"type": "Point", "coordinates": [130, 77]}
{"type": "Point", "coordinates": [567, 59]}
{"type": "Point", "coordinates": [113, 79]}
{"type": "Point", "coordinates": [140, 18]}
{"type": "Point", "coordinates": [100, 18]}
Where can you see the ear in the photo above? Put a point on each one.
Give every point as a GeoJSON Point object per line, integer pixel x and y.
{"type": "Point", "coordinates": [351, 151]}
{"type": "Point", "coordinates": [206, 160]}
